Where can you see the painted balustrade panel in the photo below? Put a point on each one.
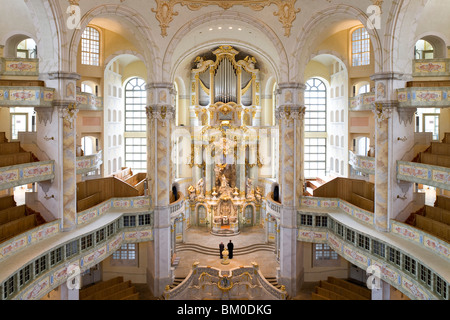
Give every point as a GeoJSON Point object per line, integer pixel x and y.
{"type": "Point", "coordinates": [431, 68]}
{"type": "Point", "coordinates": [18, 175]}
{"type": "Point", "coordinates": [363, 259]}
{"type": "Point", "coordinates": [30, 237]}
{"type": "Point", "coordinates": [26, 96]}
{"type": "Point", "coordinates": [435, 176]}
{"type": "Point", "coordinates": [123, 203]}
{"type": "Point", "coordinates": [87, 101]}
{"type": "Point", "coordinates": [89, 163]}
{"type": "Point", "coordinates": [19, 67]}
{"type": "Point", "coordinates": [361, 163]}
{"type": "Point", "coordinates": [421, 97]}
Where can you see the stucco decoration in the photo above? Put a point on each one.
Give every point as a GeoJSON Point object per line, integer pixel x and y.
{"type": "Point", "coordinates": [286, 13]}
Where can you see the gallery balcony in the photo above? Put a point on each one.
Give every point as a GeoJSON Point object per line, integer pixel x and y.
{"type": "Point", "coordinates": [362, 102]}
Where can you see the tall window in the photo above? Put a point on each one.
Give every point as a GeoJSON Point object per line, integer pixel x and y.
{"type": "Point", "coordinates": [360, 47]}
{"type": "Point", "coordinates": [315, 157]}
{"type": "Point", "coordinates": [90, 47]}
{"type": "Point", "coordinates": [315, 123]}
{"type": "Point", "coordinates": [135, 102]}
{"type": "Point", "coordinates": [316, 106]}
{"type": "Point", "coordinates": [135, 125]}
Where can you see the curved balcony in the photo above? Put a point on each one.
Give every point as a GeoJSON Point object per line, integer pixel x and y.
{"type": "Point", "coordinates": [87, 101]}
{"type": "Point", "coordinates": [21, 174]}
{"type": "Point", "coordinates": [178, 207]}
{"type": "Point", "coordinates": [114, 222]}
{"type": "Point", "coordinates": [361, 163]}
{"type": "Point", "coordinates": [424, 97]}
{"type": "Point", "coordinates": [362, 102]}
{"type": "Point", "coordinates": [241, 283]}
{"type": "Point", "coordinates": [19, 67]}
{"type": "Point", "coordinates": [273, 207]}
{"type": "Point", "coordinates": [325, 220]}
{"type": "Point", "coordinates": [26, 96]}
{"type": "Point", "coordinates": [90, 163]}
{"type": "Point", "coordinates": [426, 174]}
{"type": "Point", "coordinates": [431, 68]}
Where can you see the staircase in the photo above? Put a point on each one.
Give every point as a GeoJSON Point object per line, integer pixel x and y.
{"type": "Point", "coordinates": [193, 247]}
{"type": "Point", "coordinates": [176, 282]}
{"type": "Point", "coordinates": [313, 184]}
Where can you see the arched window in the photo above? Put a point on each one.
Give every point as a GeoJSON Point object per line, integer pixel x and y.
{"type": "Point", "coordinates": [135, 102]}
{"type": "Point", "coordinates": [135, 125]}
{"type": "Point", "coordinates": [360, 47]}
{"type": "Point", "coordinates": [316, 122]}
{"type": "Point", "coordinates": [316, 106]}
{"type": "Point", "coordinates": [27, 49]}
{"type": "Point", "coordinates": [423, 50]}
{"type": "Point", "coordinates": [90, 47]}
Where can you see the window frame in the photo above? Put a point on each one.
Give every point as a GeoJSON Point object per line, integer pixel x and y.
{"type": "Point", "coordinates": [90, 40]}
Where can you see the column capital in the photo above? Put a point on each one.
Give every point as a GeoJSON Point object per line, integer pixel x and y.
{"type": "Point", "coordinates": [162, 113]}
{"type": "Point", "coordinates": [160, 94]}
{"type": "Point", "coordinates": [383, 111]}
{"type": "Point", "coordinates": [290, 113]}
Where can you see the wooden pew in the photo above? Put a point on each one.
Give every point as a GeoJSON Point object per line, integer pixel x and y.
{"type": "Point", "coordinates": [121, 294]}
{"type": "Point", "coordinates": [85, 292]}
{"type": "Point", "coordinates": [438, 214]}
{"type": "Point", "coordinates": [436, 228]}
{"type": "Point", "coordinates": [88, 202]}
{"type": "Point", "coordinates": [342, 291]}
{"type": "Point", "coordinates": [14, 159]}
{"type": "Point", "coordinates": [101, 294]}
{"type": "Point", "coordinates": [316, 296]}
{"type": "Point", "coordinates": [435, 160]}
{"type": "Point", "coordinates": [440, 148]}
{"type": "Point", "coordinates": [330, 294]}
{"type": "Point", "coordinates": [11, 214]}
{"type": "Point", "coordinates": [134, 296]}
{"type": "Point", "coordinates": [10, 148]}
{"type": "Point", "coordinates": [7, 202]}
{"type": "Point", "coordinates": [442, 202]}
{"type": "Point", "coordinates": [351, 286]}
{"type": "Point", "coordinates": [3, 137]}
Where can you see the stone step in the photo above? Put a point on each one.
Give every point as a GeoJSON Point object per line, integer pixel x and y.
{"type": "Point", "coordinates": [215, 251]}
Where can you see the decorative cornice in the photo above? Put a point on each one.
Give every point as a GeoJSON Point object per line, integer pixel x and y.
{"type": "Point", "coordinates": [286, 13]}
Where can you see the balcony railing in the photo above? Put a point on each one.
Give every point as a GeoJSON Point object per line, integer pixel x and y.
{"type": "Point", "coordinates": [19, 175]}
{"type": "Point", "coordinates": [431, 68]}
{"type": "Point", "coordinates": [87, 101]}
{"type": "Point", "coordinates": [15, 96]}
{"type": "Point", "coordinates": [361, 163]}
{"type": "Point", "coordinates": [89, 163]}
{"type": "Point", "coordinates": [19, 67]}
{"type": "Point", "coordinates": [430, 175]}
{"type": "Point", "coordinates": [424, 97]}
{"type": "Point", "coordinates": [362, 102]}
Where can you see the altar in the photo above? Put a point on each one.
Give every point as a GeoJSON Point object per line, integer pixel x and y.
{"type": "Point", "coordinates": [225, 148]}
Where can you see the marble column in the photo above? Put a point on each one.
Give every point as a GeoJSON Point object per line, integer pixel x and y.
{"type": "Point", "coordinates": [394, 138]}
{"type": "Point", "coordinates": [160, 125]}
{"type": "Point", "coordinates": [56, 133]}
{"type": "Point", "coordinates": [290, 116]}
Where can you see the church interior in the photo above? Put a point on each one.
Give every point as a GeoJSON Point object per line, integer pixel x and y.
{"type": "Point", "coordinates": [224, 150]}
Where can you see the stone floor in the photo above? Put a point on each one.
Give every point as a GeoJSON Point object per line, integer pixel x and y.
{"type": "Point", "coordinates": [250, 236]}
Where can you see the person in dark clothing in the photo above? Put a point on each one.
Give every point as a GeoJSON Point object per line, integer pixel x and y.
{"type": "Point", "coordinates": [230, 247]}
{"type": "Point", "coordinates": [221, 248]}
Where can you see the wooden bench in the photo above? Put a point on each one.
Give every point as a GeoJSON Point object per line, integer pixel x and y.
{"type": "Point", "coordinates": [11, 214]}
{"type": "Point", "coordinates": [436, 228]}
{"type": "Point", "coordinates": [364, 292]}
{"type": "Point", "coordinates": [362, 202]}
{"type": "Point", "coordinates": [7, 202]}
{"type": "Point", "coordinates": [330, 294]}
{"type": "Point", "coordinates": [10, 148]}
{"type": "Point", "coordinates": [134, 296]}
{"type": "Point", "coordinates": [438, 214]}
{"type": "Point", "coordinates": [121, 294]}
{"type": "Point", "coordinates": [85, 292]}
{"type": "Point", "coordinates": [342, 291]}
{"type": "Point", "coordinates": [316, 296]}
{"type": "Point", "coordinates": [442, 202]}
{"type": "Point", "coordinates": [101, 294]}
{"type": "Point", "coordinates": [89, 202]}
{"type": "Point", "coordinates": [3, 137]}
{"type": "Point", "coordinates": [435, 160]}
{"type": "Point", "coordinates": [440, 148]}
{"type": "Point", "coordinates": [16, 227]}
{"type": "Point", "coordinates": [15, 159]}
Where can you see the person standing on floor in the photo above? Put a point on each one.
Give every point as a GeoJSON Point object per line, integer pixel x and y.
{"type": "Point", "coordinates": [230, 247]}
{"type": "Point", "coordinates": [221, 248]}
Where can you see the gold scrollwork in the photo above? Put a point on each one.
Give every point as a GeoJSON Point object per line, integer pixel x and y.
{"type": "Point", "coordinates": [286, 13]}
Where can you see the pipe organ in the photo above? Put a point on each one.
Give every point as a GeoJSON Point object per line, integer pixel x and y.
{"type": "Point", "coordinates": [228, 92]}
